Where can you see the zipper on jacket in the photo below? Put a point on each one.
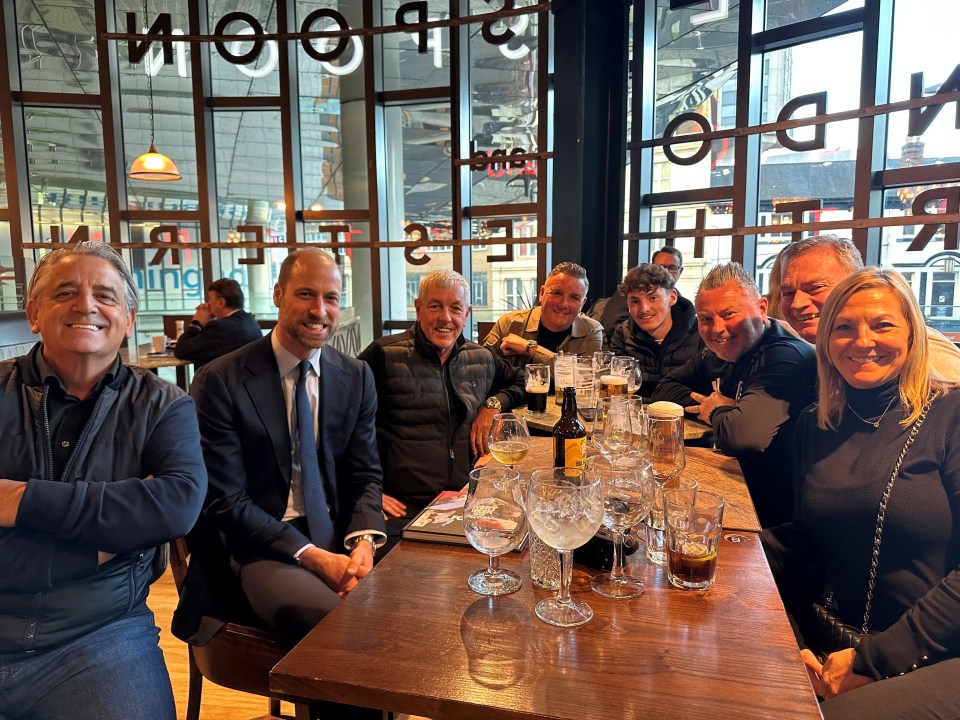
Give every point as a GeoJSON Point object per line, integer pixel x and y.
{"type": "Point", "coordinates": [451, 441]}
{"type": "Point", "coordinates": [80, 440]}
{"type": "Point", "coordinates": [30, 632]}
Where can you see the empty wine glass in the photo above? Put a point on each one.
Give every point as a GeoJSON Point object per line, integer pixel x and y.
{"type": "Point", "coordinates": [612, 428]}
{"type": "Point", "coordinates": [564, 509]}
{"type": "Point", "coordinates": [509, 438]}
{"type": "Point", "coordinates": [638, 424]}
{"type": "Point", "coordinates": [628, 489]}
{"type": "Point", "coordinates": [494, 523]}
{"type": "Point", "coordinates": [667, 459]}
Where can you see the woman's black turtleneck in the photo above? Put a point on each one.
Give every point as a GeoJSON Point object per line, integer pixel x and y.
{"type": "Point", "coordinates": [841, 475]}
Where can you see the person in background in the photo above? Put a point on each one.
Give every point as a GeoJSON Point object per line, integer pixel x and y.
{"type": "Point", "coordinates": [557, 324]}
{"type": "Point", "coordinates": [295, 517]}
{"type": "Point", "coordinates": [749, 384]}
{"type": "Point", "coordinates": [438, 393]}
{"type": "Point", "coordinates": [101, 466]}
{"type": "Point", "coordinates": [811, 269]}
{"type": "Point", "coordinates": [671, 260]}
{"type": "Point", "coordinates": [876, 527]}
{"type": "Point", "coordinates": [661, 332]}
{"type": "Point", "coordinates": [219, 326]}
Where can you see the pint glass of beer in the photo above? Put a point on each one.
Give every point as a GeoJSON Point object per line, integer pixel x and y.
{"type": "Point", "coordinates": [538, 386]}
{"type": "Point", "coordinates": [612, 385]}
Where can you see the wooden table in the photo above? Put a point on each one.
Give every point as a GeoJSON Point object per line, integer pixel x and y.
{"type": "Point", "coordinates": [147, 360]}
{"type": "Point", "coordinates": [693, 429]}
{"type": "Point", "coordinates": [712, 471]}
{"type": "Point", "coordinates": [413, 638]}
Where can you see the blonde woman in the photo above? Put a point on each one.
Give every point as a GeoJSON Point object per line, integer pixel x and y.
{"type": "Point", "coordinates": [857, 484]}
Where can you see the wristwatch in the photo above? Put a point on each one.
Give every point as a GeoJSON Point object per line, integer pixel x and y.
{"type": "Point", "coordinates": [372, 539]}
{"type": "Point", "coordinates": [494, 403]}
{"type": "Point", "coordinates": [531, 344]}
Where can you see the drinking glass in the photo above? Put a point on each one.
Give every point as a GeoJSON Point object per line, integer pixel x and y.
{"type": "Point", "coordinates": [612, 429]}
{"type": "Point", "coordinates": [584, 382]}
{"type": "Point", "coordinates": [667, 459]}
{"type": "Point", "coordinates": [564, 508]}
{"type": "Point", "coordinates": [538, 386]}
{"type": "Point", "coordinates": [564, 374]}
{"type": "Point", "coordinates": [494, 523]}
{"type": "Point", "coordinates": [509, 439]}
{"type": "Point", "coordinates": [628, 490]}
{"type": "Point", "coordinates": [693, 521]}
{"type": "Point", "coordinates": [638, 424]}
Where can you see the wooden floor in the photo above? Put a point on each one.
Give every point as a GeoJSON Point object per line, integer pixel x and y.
{"type": "Point", "coordinates": [217, 703]}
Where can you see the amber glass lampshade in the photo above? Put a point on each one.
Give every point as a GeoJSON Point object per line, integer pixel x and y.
{"type": "Point", "coordinates": [154, 166]}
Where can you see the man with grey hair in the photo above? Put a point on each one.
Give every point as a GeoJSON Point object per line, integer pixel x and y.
{"type": "Point", "coordinates": [749, 383]}
{"type": "Point", "coordinates": [537, 334]}
{"type": "Point", "coordinates": [102, 466]}
{"type": "Point", "coordinates": [438, 393]}
{"type": "Point", "coordinates": [810, 268]}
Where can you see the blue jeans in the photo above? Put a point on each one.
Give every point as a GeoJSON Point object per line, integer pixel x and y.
{"type": "Point", "coordinates": [116, 672]}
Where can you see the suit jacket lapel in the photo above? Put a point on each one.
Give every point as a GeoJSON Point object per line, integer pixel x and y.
{"type": "Point", "coordinates": [266, 393]}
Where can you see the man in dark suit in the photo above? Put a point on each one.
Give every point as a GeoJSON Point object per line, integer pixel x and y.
{"type": "Point", "coordinates": [289, 552]}
{"type": "Point", "coordinates": [219, 326]}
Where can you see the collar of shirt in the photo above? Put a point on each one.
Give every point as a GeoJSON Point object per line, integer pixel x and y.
{"type": "Point", "coordinates": [49, 376]}
{"type": "Point", "coordinates": [287, 361]}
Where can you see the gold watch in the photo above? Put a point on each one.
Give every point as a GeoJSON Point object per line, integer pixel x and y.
{"type": "Point", "coordinates": [493, 403]}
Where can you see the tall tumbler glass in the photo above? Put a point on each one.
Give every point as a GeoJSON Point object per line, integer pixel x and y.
{"type": "Point", "coordinates": [667, 459]}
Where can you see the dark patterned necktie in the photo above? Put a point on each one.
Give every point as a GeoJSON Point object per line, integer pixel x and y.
{"type": "Point", "coordinates": [314, 497]}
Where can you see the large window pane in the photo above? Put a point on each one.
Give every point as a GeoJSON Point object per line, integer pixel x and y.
{"type": "Point", "coordinates": [504, 111]}
{"type": "Point", "coordinates": [11, 294]}
{"type": "Point", "coordinates": [58, 48]}
{"type": "Point", "coordinates": [696, 70]}
{"type": "Point", "coordinates": [333, 117]}
{"type": "Point", "coordinates": [404, 67]}
{"type": "Point", "coordinates": [786, 12]}
{"type": "Point", "coordinates": [66, 171]}
{"type": "Point", "coordinates": [260, 75]}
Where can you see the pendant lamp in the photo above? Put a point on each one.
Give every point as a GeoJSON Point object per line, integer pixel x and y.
{"type": "Point", "coordinates": [152, 166]}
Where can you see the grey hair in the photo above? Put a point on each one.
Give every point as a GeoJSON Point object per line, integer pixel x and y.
{"type": "Point", "coordinates": [573, 270]}
{"type": "Point", "coordinates": [96, 249]}
{"type": "Point", "coordinates": [443, 279]}
{"type": "Point", "coordinates": [842, 249]}
{"type": "Point", "coordinates": [731, 272]}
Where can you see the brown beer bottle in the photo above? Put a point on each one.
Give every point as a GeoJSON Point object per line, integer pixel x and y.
{"type": "Point", "coordinates": [569, 434]}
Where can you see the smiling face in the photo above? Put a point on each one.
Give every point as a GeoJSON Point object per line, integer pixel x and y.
{"type": "Point", "coordinates": [731, 320]}
{"type": "Point", "coordinates": [650, 310]}
{"type": "Point", "coordinates": [442, 313]}
{"type": "Point", "coordinates": [807, 281]}
{"type": "Point", "coordinates": [561, 300]}
{"type": "Point", "coordinates": [80, 312]}
{"type": "Point", "coordinates": [309, 304]}
{"type": "Point", "coordinates": [869, 339]}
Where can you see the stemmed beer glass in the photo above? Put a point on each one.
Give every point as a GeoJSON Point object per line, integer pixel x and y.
{"type": "Point", "coordinates": [509, 438]}
{"type": "Point", "coordinates": [628, 490]}
{"type": "Point", "coordinates": [494, 523]}
{"type": "Point", "coordinates": [564, 509]}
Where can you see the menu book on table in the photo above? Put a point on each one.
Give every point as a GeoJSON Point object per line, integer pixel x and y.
{"type": "Point", "coordinates": [442, 520]}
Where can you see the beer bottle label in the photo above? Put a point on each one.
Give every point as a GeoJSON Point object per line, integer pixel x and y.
{"type": "Point", "coordinates": [574, 451]}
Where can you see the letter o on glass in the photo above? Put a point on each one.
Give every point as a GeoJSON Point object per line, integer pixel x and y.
{"type": "Point", "coordinates": [248, 56]}
{"type": "Point", "coordinates": [672, 128]}
{"type": "Point", "coordinates": [342, 41]}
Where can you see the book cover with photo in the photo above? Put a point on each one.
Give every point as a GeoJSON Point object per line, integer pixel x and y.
{"type": "Point", "coordinates": [442, 521]}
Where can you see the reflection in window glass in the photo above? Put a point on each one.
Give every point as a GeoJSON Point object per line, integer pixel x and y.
{"type": "Point", "coordinates": [417, 193]}
{"type": "Point", "coordinates": [503, 93]}
{"type": "Point", "coordinates": [258, 76]}
{"type": "Point", "coordinates": [716, 248]}
{"type": "Point", "coordinates": [696, 72]}
{"type": "Point", "coordinates": [165, 285]}
{"type": "Point", "coordinates": [249, 162]}
{"type": "Point", "coordinates": [11, 295]}
{"type": "Point", "coordinates": [404, 67]}
{"type": "Point", "coordinates": [58, 50]}
{"type": "Point", "coordinates": [499, 285]}
{"type": "Point", "coordinates": [921, 46]}
{"type": "Point", "coordinates": [787, 12]}
{"type": "Point", "coordinates": [66, 171]}
{"type": "Point", "coordinates": [172, 120]}
{"type": "Point", "coordinates": [332, 132]}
